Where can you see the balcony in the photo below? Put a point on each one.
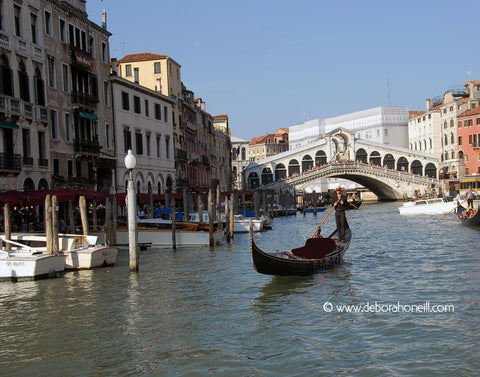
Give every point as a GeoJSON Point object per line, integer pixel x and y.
{"type": "Point", "coordinates": [85, 99]}
{"type": "Point", "coordinates": [41, 114]}
{"type": "Point", "coordinates": [10, 163]}
{"type": "Point", "coordinates": [87, 146]}
{"type": "Point", "coordinates": [181, 154]}
{"type": "Point", "coordinates": [43, 162]}
{"type": "Point", "coordinates": [27, 161]}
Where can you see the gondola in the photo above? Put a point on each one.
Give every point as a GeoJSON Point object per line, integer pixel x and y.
{"type": "Point", "coordinates": [318, 253]}
{"type": "Point", "coordinates": [471, 219]}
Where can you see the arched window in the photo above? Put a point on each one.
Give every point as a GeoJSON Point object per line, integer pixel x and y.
{"type": "Point", "coordinates": [6, 75]}
{"type": "Point", "coordinates": [38, 86]}
{"type": "Point", "coordinates": [23, 82]}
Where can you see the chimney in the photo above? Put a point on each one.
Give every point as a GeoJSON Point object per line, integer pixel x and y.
{"type": "Point", "coordinates": [429, 104]}
{"type": "Point", "coordinates": [104, 19]}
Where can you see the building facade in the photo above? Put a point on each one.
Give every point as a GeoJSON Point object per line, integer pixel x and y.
{"type": "Point", "coordinates": [268, 145]}
{"type": "Point", "coordinates": [141, 125]}
{"type": "Point", "coordinates": [57, 121]}
{"type": "Point", "coordinates": [386, 125]}
{"type": "Point", "coordinates": [468, 133]}
{"type": "Point", "coordinates": [240, 160]}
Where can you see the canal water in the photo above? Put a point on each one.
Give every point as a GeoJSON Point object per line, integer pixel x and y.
{"type": "Point", "coordinates": [414, 285]}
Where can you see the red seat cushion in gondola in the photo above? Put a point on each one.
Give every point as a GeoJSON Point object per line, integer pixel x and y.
{"type": "Point", "coordinates": [315, 248]}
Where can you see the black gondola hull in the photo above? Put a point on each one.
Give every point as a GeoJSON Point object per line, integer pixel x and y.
{"type": "Point", "coordinates": [270, 264]}
{"type": "Point", "coordinates": [469, 221]}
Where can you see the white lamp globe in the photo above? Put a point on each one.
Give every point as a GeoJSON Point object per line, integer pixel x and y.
{"type": "Point", "coordinates": [130, 160]}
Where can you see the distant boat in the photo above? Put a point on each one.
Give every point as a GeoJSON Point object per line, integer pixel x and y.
{"type": "Point", "coordinates": [23, 262]}
{"type": "Point", "coordinates": [240, 223]}
{"type": "Point", "coordinates": [427, 206]}
{"type": "Point", "coordinates": [158, 232]}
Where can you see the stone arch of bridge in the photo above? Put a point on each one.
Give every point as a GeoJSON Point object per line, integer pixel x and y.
{"type": "Point", "coordinates": [379, 186]}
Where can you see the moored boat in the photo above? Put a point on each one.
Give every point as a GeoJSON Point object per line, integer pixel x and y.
{"type": "Point", "coordinates": [81, 251]}
{"type": "Point", "coordinates": [158, 232]}
{"type": "Point", "coordinates": [318, 253]}
{"type": "Point", "coordinates": [468, 216]}
{"type": "Point", "coordinates": [427, 206]}
{"type": "Point", "coordinates": [23, 262]}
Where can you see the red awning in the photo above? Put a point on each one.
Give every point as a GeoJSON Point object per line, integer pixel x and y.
{"type": "Point", "coordinates": [12, 197]}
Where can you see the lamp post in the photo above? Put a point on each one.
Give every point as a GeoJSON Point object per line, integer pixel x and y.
{"type": "Point", "coordinates": [130, 162]}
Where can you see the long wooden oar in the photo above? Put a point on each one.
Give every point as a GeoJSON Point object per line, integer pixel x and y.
{"type": "Point", "coordinates": [449, 212]}
{"type": "Point", "coordinates": [317, 231]}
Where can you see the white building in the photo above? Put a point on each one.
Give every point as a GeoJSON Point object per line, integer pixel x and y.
{"type": "Point", "coordinates": [144, 124]}
{"type": "Point", "coordinates": [240, 160]}
{"type": "Point", "coordinates": [386, 125]}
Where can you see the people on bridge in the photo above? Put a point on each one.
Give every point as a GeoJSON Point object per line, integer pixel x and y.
{"type": "Point", "coordinates": [340, 206]}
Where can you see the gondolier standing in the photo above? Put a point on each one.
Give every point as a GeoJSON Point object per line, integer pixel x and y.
{"type": "Point", "coordinates": [470, 196]}
{"type": "Point", "coordinates": [340, 207]}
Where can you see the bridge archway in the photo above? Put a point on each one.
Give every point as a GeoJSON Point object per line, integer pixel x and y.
{"type": "Point", "coordinates": [430, 170]}
{"type": "Point", "coordinates": [402, 164]}
{"type": "Point", "coordinates": [267, 176]}
{"type": "Point", "coordinates": [417, 167]}
{"type": "Point", "coordinates": [253, 180]}
{"type": "Point", "coordinates": [293, 167]}
{"type": "Point", "coordinates": [375, 158]}
{"type": "Point", "coordinates": [280, 172]}
{"type": "Point", "coordinates": [361, 156]}
{"type": "Point", "coordinates": [307, 163]}
{"type": "Point", "coordinates": [320, 158]}
{"type": "Point", "coordinates": [389, 161]}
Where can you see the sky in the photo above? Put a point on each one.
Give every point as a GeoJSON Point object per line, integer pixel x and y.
{"type": "Point", "coordinates": [269, 64]}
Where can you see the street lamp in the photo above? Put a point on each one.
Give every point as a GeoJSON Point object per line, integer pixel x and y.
{"type": "Point", "coordinates": [130, 162]}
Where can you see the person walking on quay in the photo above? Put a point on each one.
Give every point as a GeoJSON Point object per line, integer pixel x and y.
{"type": "Point", "coordinates": [340, 207]}
{"type": "Point", "coordinates": [470, 197]}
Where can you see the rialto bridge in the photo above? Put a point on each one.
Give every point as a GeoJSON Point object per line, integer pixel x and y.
{"type": "Point", "coordinates": [389, 172]}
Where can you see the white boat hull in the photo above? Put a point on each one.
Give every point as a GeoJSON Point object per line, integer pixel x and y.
{"type": "Point", "coordinates": [25, 266]}
{"type": "Point", "coordinates": [163, 237]}
{"type": "Point", "coordinates": [81, 251]}
{"type": "Point", "coordinates": [440, 207]}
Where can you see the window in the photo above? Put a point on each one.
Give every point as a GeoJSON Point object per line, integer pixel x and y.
{"type": "Point", "coordinates": [51, 72]}
{"type": "Point", "coordinates": [17, 19]}
{"type": "Point", "coordinates": [136, 105]}
{"type": "Point", "coordinates": [459, 140]}
{"type": "Point", "coordinates": [1, 15]}
{"type": "Point", "coordinates": [125, 103]}
{"type": "Point", "coordinates": [127, 140]}
{"type": "Point", "coordinates": [446, 140]}
{"type": "Point", "coordinates": [146, 108]}
{"type": "Point", "coordinates": [459, 124]}
{"type": "Point", "coordinates": [138, 143]}
{"type": "Point", "coordinates": [65, 78]}
{"type": "Point", "coordinates": [136, 75]}
{"type": "Point", "coordinates": [104, 52]}
{"type": "Point", "coordinates": [159, 138]}
{"type": "Point", "coordinates": [70, 168]}
{"type": "Point", "coordinates": [38, 87]}
{"type": "Point", "coordinates": [68, 127]}
{"type": "Point", "coordinates": [108, 135]}
{"type": "Point", "coordinates": [26, 146]}
{"type": "Point", "coordinates": [48, 23]}
{"type": "Point", "coordinates": [156, 68]}
{"type": "Point", "coordinates": [128, 70]}
{"type": "Point", "coordinates": [56, 167]}
{"type": "Point", "coordinates": [33, 27]}
{"type": "Point", "coordinates": [147, 141]}
{"type": "Point", "coordinates": [158, 111]}
{"type": "Point", "coordinates": [165, 113]}
{"type": "Point", "coordinates": [452, 139]}
{"type": "Point", "coordinates": [167, 147]}
{"type": "Point", "coordinates": [91, 43]}
{"type": "Point", "coordinates": [106, 93]}
{"type": "Point", "coordinates": [63, 30]}
{"type": "Point", "coordinates": [23, 83]}
{"type": "Point", "coordinates": [478, 121]}
{"type": "Point", "coordinates": [54, 124]}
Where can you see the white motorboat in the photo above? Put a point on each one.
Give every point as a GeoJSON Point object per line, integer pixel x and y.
{"type": "Point", "coordinates": [23, 262]}
{"type": "Point", "coordinates": [81, 251]}
{"type": "Point", "coordinates": [241, 224]}
{"type": "Point", "coordinates": [427, 206]}
{"type": "Point", "coordinates": [158, 232]}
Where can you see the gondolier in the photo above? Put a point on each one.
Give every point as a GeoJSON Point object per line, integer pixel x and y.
{"type": "Point", "coordinates": [340, 206]}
